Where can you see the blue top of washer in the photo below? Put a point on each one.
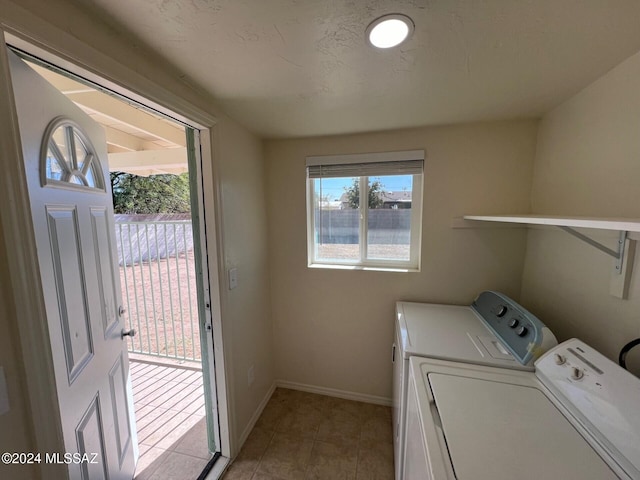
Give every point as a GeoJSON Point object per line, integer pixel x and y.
{"type": "Point", "coordinates": [521, 332]}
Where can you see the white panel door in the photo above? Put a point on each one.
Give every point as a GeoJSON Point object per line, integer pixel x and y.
{"type": "Point", "coordinates": [65, 159]}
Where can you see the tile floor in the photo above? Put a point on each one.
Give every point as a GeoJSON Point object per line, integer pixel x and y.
{"type": "Point", "coordinates": [170, 421]}
{"type": "Point", "coordinates": [305, 436]}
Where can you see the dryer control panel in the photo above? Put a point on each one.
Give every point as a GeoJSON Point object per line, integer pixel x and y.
{"type": "Point", "coordinates": [521, 332]}
{"type": "Point", "coordinates": [601, 394]}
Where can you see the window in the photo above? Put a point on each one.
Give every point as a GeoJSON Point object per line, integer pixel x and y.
{"type": "Point", "coordinates": [68, 157]}
{"type": "Point", "coordinates": [383, 231]}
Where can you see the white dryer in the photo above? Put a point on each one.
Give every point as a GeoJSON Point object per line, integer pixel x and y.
{"type": "Point", "coordinates": [575, 417]}
{"type": "Point", "coordinates": [494, 330]}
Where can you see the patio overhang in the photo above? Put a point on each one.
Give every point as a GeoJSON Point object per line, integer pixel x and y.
{"type": "Point", "coordinates": [150, 162]}
{"type": "Point", "coordinates": [138, 141]}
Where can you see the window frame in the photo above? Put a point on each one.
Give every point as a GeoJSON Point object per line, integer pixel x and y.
{"type": "Point", "coordinates": [413, 264]}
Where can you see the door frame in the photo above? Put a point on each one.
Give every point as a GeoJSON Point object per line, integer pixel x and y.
{"type": "Point", "coordinates": [47, 42]}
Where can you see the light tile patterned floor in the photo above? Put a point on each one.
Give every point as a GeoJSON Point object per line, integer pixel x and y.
{"type": "Point", "coordinates": [305, 436]}
{"type": "Point", "coordinates": [170, 418]}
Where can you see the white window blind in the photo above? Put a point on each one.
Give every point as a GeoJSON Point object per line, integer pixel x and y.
{"type": "Point", "coordinates": [381, 232]}
{"type": "Point", "coordinates": [367, 164]}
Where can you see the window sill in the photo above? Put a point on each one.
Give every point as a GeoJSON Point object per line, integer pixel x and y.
{"type": "Point", "coordinates": [363, 267]}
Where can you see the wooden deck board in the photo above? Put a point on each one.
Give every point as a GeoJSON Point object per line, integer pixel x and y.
{"type": "Point", "coordinates": [168, 401]}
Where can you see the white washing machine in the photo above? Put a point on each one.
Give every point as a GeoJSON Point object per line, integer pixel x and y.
{"type": "Point", "coordinates": [576, 417]}
{"type": "Point", "coordinates": [493, 331]}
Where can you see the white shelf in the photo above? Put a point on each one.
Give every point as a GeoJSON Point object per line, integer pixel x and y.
{"type": "Point", "coordinates": [620, 224]}
{"type": "Point", "coordinates": [623, 255]}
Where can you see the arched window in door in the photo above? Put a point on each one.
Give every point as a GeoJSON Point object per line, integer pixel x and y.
{"type": "Point", "coordinates": [68, 157]}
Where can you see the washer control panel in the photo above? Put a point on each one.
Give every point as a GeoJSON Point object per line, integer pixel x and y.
{"type": "Point", "coordinates": [521, 332]}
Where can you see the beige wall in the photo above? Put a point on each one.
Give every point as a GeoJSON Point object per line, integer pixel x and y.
{"type": "Point", "coordinates": [334, 328]}
{"type": "Point", "coordinates": [247, 317]}
{"type": "Point", "coordinates": [245, 311]}
{"type": "Point", "coordinates": [587, 163]}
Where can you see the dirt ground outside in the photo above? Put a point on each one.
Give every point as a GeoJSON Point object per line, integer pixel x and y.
{"type": "Point", "coordinates": [341, 251]}
{"type": "Point", "coordinates": [161, 300]}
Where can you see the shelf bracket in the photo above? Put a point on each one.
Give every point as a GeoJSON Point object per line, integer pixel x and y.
{"type": "Point", "coordinates": [622, 240]}
{"type": "Point", "coordinates": [624, 259]}
{"type": "Point", "coordinates": [619, 255]}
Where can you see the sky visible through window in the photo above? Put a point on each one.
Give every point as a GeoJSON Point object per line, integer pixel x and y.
{"type": "Point", "coordinates": [333, 188]}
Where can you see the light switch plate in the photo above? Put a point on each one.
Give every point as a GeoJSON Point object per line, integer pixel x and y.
{"type": "Point", "coordinates": [233, 278]}
{"type": "Point", "coordinates": [4, 394]}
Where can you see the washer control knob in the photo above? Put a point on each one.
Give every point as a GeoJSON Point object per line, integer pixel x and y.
{"type": "Point", "coordinates": [576, 373]}
{"type": "Point", "coordinates": [560, 359]}
{"type": "Point", "coordinates": [514, 322]}
{"type": "Point", "coordinates": [502, 310]}
{"type": "Point", "coordinates": [522, 331]}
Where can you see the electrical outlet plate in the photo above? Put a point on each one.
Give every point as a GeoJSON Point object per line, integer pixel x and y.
{"type": "Point", "coordinates": [233, 278]}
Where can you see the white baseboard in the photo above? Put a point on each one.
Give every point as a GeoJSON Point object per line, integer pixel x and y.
{"type": "Point", "coordinates": [332, 392]}
{"type": "Point", "coordinates": [256, 415]}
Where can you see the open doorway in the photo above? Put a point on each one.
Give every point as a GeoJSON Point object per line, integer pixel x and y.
{"type": "Point", "coordinates": [162, 271]}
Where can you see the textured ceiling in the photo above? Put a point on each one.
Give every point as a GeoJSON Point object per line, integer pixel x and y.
{"type": "Point", "coordinates": [287, 68]}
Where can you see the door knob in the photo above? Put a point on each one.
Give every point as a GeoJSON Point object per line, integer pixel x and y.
{"type": "Point", "coordinates": [128, 333]}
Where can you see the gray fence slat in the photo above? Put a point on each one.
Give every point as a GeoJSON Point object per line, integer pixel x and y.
{"type": "Point", "coordinates": [138, 248]}
{"type": "Point", "coordinates": [385, 226]}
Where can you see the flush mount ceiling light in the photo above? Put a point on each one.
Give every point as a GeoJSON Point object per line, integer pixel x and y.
{"type": "Point", "coordinates": [389, 30]}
